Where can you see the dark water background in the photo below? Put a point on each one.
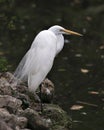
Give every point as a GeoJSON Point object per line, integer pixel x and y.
{"type": "Point", "coordinates": [78, 71]}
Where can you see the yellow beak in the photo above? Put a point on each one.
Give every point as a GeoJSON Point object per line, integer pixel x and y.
{"type": "Point", "coordinates": [71, 32]}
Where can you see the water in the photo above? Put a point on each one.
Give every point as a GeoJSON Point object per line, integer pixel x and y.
{"type": "Point", "coordinates": [78, 70]}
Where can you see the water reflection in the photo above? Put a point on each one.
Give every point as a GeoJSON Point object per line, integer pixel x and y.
{"type": "Point", "coordinates": [79, 68]}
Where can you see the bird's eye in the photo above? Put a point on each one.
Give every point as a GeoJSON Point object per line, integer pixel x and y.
{"type": "Point", "coordinates": [61, 30]}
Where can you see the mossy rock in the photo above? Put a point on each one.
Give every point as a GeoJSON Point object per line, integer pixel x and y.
{"type": "Point", "coordinates": [60, 119]}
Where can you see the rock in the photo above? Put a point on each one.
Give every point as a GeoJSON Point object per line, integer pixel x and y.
{"type": "Point", "coordinates": [10, 102]}
{"type": "Point", "coordinates": [17, 122]}
{"type": "Point", "coordinates": [25, 100]}
{"type": "Point", "coordinates": [47, 91]}
{"type": "Point", "coordinates": [60, 119]}
{"type": "Point", "coordinates": [35, 121]}
{"type": "Point", "coordinates": [19, 110]}
{"type": "Point", "coordinates": [12, 120]}
{"type": "Point", "coordinates": [4, 115]}
{"type": "Point", "coordinates": [21, 122]}
{"type": "Point", "coordinates": [8, 76]}
{"type": "Point", "coordinates": [5, 87]}
{"type": "Point", "coordinates": [4, 126]}
{"type": "Point", "coordinates": [7, 83]}
{"type": "Point", "coordinates": [22, 88]}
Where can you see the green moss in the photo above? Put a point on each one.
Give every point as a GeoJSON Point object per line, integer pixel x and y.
{"type": "Point", "coordinates": [60, 119]}
{"type": "Point", "coordinates": [3, 64]}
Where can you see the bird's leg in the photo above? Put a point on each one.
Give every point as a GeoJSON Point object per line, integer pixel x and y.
{"type": "Point", "coordinates": [37, 98]}
{"type": "Point", "coordinates": [41, 105]}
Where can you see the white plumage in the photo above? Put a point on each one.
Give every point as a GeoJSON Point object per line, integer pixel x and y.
{"type": "Point", "coordinates": [39, 59]}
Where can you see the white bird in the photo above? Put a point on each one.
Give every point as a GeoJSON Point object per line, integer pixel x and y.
{"type": "Point", "coordinates": [39, 59]}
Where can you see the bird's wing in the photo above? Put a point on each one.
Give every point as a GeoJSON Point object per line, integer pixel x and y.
{"type": "Point", "coordinates": [19, 70]}
{"type": "Point", "coordinates": [39, 58]}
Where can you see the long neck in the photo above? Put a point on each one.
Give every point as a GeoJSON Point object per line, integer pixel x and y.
{"type": "Point", "coordinates": [60, 43]}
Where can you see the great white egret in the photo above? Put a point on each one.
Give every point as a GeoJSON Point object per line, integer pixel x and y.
{"type": "Point", "coordinates": [39, 59]}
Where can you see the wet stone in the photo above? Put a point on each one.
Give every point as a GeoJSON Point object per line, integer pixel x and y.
{"type": "Point", "coordinates": [35, 121]}
{"type": "Point", "coordinates": [10, 102]}
{"type": "Point", "coordinates": [20, 111]}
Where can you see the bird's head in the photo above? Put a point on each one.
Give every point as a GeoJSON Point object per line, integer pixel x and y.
{"type": "Point", "coordinates": [60, 30]}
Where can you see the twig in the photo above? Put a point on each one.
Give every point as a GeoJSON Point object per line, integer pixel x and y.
{"type": "Point", "coordinates": [86, 103]}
